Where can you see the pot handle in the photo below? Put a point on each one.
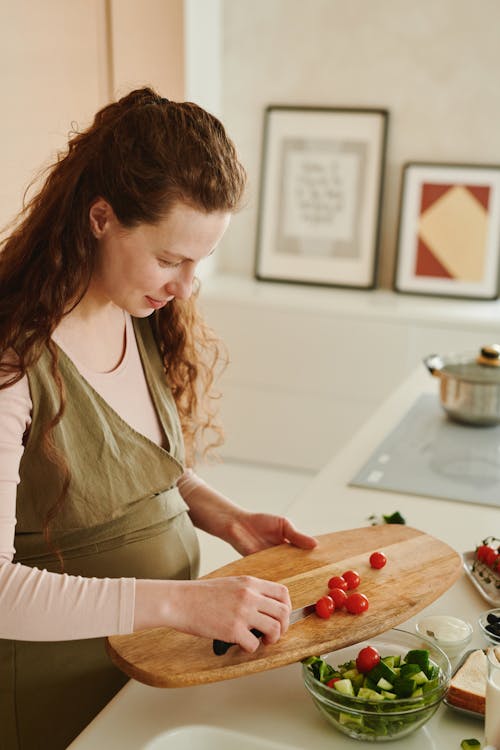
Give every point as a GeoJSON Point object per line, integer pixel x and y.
{"type": "Point", "coordinates": [434, 364]}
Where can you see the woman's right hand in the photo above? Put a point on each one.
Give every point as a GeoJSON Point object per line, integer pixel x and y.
{"type": "Point", "coordinates": [222, 608]}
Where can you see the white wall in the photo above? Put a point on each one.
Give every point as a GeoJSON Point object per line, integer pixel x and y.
{"type": "Point", "coordinates": [435, 64]}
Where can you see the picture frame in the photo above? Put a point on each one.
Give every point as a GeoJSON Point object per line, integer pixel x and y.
{"type": "Point", "coordinates": [320, 199]}
{"type": "Point", "coordinates": [449, 231]}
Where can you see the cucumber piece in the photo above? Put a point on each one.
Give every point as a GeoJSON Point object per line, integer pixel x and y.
{"type": "Point", "coordinates": [344, 686]}
{"type": "Point", "coordinates": [350, 674]}
{"type": "Point", "coordinates": [384, 684]}
{"type": "Point", "coordinates": [346, 719]}
{"type": "Point", "coordinates": [358, 682]}
{"type": "Point", "coordinates": [393, 661]}
{"type": "Point", "coordinates": [418, 693]}
{"type": "Point", "coordinates": [390, 661]}
{"type": "Point", "coordinates": [403, 687]}
{"type": "Point", "coordinates": [368, 683]}
{"type": "Point", "coordinates": [420, 678]}
{"type": "Point", "coordinates": [382, 670]}
{"type": "Point", "coordinates": [418, 656]}
{"type": "Point", "coordinates": [470, 744]}
{"type": "Point", "coordinates": [433, 671]}
{"type": "Point", "coordinates": [408, 670]}
{"type": "Point", "coordinates": [388, 695]}
{"type": "Point", "coordinates": [369, 695]}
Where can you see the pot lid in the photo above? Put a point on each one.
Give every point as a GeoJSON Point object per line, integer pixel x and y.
{"type": "Point", "coordinates": [481, 367]}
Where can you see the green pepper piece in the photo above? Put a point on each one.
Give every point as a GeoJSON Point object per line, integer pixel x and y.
{"type": "Point", "coordinates": [395, 517]}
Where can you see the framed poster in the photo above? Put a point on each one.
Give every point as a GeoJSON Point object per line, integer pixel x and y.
{"type": "Point", "coordinates": [449, 231]}
{"type": "Point", "coordinates": [321, 184]}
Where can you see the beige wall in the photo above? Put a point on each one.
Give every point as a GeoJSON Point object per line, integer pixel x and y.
{"type": "Point", "coordinates": [147, 43]}
{"type": "Point", "coordinates": [61, 60]}
{"type": "Point", "coordinates": [435, 64]}
{"type": "Point", "coordinates": [51, 58]}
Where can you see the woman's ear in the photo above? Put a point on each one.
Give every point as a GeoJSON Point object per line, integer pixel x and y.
{"type": "Point", "coordinates": [101, 216]}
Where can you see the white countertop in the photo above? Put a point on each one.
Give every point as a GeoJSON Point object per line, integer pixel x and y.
{"type": "Point", "coordinates": [274, 705]}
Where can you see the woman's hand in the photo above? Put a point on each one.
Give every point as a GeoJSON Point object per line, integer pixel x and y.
{"type": "Point", "coordinates": [246, 532]}
{"type": "Point", "coordinates": [252, 532]}
{"type": "Point", "coordinates": [223, 608]}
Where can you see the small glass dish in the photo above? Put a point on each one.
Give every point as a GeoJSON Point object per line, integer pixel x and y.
{"type": "Point", "coordinates": [487, 624]}
{"type": "Point", "coordinates": [449, 633]}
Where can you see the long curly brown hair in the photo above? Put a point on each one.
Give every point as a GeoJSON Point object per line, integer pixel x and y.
{"type": "Point", "coordinates": [142, 154]}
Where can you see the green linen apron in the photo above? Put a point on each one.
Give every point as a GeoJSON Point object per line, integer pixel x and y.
{"type": "Point", "coordinates": [123, 517]}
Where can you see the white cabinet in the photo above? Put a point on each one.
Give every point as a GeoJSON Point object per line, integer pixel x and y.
{"type": "Point", "coordinates": [309, 365]}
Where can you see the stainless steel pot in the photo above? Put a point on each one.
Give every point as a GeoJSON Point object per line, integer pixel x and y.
{"type": "Point", "coordinates": [469, 385]}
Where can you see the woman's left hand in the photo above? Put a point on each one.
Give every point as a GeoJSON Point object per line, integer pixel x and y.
{"type": "Point", "coordinates": [252, 532]}
{"type": "Point", "coordinates": [247, 532]}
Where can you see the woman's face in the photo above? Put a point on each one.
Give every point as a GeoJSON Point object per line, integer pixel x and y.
{"type": "Point", "coordinates": [142, 269]}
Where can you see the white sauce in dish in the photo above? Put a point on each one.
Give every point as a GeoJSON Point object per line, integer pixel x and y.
{"type": "Point", "coordinates": [445, 629]}
{"type": "Point", "coordinates": [449, 633]}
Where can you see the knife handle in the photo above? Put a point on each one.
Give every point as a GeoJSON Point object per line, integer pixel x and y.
{"type": "Point", "coordinates": [220, 647]}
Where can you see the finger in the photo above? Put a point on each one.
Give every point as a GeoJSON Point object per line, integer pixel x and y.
{"type": "Point", "coordinates": [277, 591]}
{"type": "Point", "coordinates": [296, 537]}
{"type": "Point", "coordinates": [271, 608]}
{"type": "Point", "coordinates": [248, 641]}
{"type": "Point", "coordinates": [272, 629]}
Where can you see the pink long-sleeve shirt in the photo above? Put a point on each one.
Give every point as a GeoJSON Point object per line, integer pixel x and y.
{"type": "Point", "coordinates": [35, 604]}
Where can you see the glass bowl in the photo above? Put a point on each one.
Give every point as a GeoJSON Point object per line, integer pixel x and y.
{"type": "Point", "coordinates": [484, 624]}
{"type": "Point", "coordinates": [380, 720]}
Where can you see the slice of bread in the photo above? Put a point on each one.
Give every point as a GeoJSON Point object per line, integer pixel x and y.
{"type": "Point", "coordinates": [468, 685]}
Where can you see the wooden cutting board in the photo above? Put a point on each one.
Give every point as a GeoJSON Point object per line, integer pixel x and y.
{"type": "Point", "coordinates": [419, 569]}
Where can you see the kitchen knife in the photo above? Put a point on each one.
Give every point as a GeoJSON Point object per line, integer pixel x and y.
{"type": "Point", "coordinates": [220, 647]}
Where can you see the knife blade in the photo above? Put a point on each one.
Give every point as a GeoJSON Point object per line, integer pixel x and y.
{"type": "Point", "coordinates": [220, 647]}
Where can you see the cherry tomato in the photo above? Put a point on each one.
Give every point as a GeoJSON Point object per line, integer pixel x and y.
{"type": "Point", "coordinates": [490, 557]}
{"type": "Point", "coordinates": [356, 603]}
{"type": "Point", "coordinates": [378, 560]}
{"type": "Point", "coordinates": [332, 682]}
{"type": "Point", "coordinates": [367, 658]}
{"type": "Point", "coordinates": [325, 607]}
{"type": "Point", "coordinates": [352, 578]}
{"type": "Point", "coordinates": [339, 597]}
{"type": "Point", "coordinates": [337, 582]}
{"type": "Point", "coordinates": [486, 554]}
{"type": "Point", "coordinates": [480, 552]}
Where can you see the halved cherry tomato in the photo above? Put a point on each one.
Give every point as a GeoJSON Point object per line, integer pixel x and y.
{"type": "Point", "coordinates": [367, 658]}
{"type": "Point", "coordinates": [378, 560]}
{"type": "Point", "coordinates": [337, 582]}
{"type": "Point", "coordinates": [325, 607]}
{"type": "Point", "coordinates": [339, 597]}
{"type": "Point", "coordinates": [356, 603]}
{"type": "Point", "coordinates": [352, 578]}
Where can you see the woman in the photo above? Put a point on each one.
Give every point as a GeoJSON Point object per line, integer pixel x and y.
{"type": "Point", "coordinates": [106, 383]}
